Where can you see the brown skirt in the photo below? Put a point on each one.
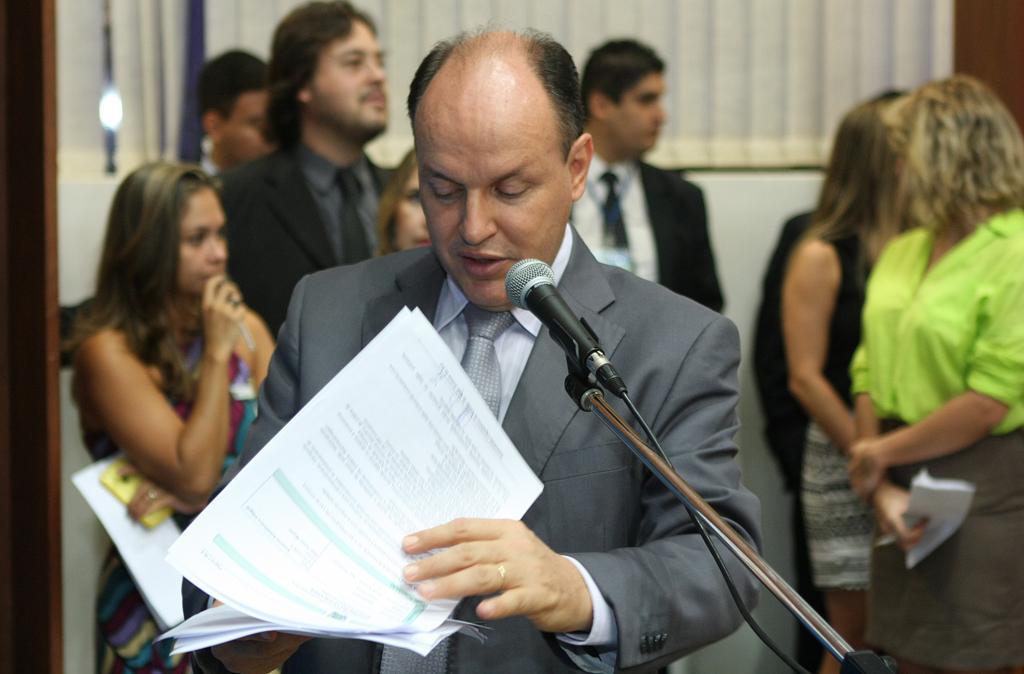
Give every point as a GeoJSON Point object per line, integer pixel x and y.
{"type": "Point", "coordinates": [962, 607]}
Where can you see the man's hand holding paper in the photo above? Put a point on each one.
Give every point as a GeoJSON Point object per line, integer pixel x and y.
{"type": "Point", "coordinates": [308, 536]}
{"type": "Point", "coordinates": [502, 557]}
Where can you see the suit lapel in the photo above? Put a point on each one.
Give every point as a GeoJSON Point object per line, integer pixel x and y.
{"type": "Point", "coordinates": [540, 410]}
{"type": "Point", "coordinates": [291, 203]}
{"type": "Point", "coordinates": [659, 207]}
{"type": "Point", "coordinates": [417, 286]}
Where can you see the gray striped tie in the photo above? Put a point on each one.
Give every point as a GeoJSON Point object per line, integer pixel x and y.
{"type": "Point", "coordinates": [480, 361]}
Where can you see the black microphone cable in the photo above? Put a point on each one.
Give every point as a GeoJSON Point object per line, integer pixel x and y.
{"type": "Point", "coordinates": [706, 537]}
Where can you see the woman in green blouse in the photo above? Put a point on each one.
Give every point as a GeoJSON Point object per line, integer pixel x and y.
{"type": "Point", "coordinates": [939, 384]}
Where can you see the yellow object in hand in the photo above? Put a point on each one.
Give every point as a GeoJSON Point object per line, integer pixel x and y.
{"type": "Point", "coordinates": [124, 488]}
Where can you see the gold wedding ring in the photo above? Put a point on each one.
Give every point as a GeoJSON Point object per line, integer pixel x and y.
{"type": "Point", "coordinates": [501, 573]}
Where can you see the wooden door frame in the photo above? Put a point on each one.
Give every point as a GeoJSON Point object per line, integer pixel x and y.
{"type": "Point", "coordinates": [986, 41]}
{"type": "Point", "coordinates": [31, 638]}
{"type": "Point", "coordinates": [987, 44]}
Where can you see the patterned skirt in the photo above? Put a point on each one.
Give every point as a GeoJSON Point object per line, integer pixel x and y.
{"type": "Point", "coordinates": [839, 525]}
{"type": "Point", "coordinates": [126, 628]}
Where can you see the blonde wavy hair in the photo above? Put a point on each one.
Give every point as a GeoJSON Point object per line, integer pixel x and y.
{"type": "Point", "coordinates": [963, 155]}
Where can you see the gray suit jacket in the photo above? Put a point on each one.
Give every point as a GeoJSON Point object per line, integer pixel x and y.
{"type": "Point", "coordinates": [599, 504]}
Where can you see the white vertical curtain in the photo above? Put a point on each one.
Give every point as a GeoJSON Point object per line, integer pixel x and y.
{"type": "Point", "coordinates": [148, 65]}
{"type": "Point", "coordinates": [752, 83]}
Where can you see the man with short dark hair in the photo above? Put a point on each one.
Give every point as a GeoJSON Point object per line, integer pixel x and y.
{"type": "Point", "coordinates": [312, 204]}
{"type": "Point", "coordinates": [635, 216]}
{"type": "Point", "coordinates": [605, 570]}
{"type": "Point", "coordinates": [233, 110]}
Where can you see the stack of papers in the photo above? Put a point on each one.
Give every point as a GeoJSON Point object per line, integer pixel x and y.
{"type": "Point", "coordinates": [943, 503]}
{"type": "Point", "coordinates": [223, 623]}
{"type": "Point", "coordinates": [307, 537]}
{"type": "Point", "coordinates": [143, 550]}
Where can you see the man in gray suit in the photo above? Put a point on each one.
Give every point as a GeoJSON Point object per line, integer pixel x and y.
{"type": "Point", "coordinates": [605, 570]}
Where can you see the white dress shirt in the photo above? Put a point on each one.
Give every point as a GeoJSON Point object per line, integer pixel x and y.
{"type": "Point", "coordinates": [588, 218]}
{"type": "Point", "coordinates": [513, 347]}
{"type": "Point", "coordinates": [206, 163]}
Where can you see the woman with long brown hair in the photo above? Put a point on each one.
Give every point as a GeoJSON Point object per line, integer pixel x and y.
{"type": "Point", "coordinates": [167, 360]}
{"type": "Point", "coordinates": [401, 223]}
{"type": "Point", "coordinates": [939, 384]}
{"type": "Point", "coordinates": [822, 295]}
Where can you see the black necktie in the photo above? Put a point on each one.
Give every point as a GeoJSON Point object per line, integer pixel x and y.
{"type": "Point", "coordinates": [614, 225]}
{"type": "Point", "coordinates": [354, 246]}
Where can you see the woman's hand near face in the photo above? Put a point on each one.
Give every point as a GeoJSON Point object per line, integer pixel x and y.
{"type": "Point", "coordinates": [223, 312]}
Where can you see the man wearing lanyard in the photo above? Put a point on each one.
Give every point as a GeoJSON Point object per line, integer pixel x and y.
{"type": "Point", "coordinates": [635, 216]}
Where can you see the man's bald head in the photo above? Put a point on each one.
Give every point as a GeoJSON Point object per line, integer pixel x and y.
{"type": "Point", "coordinates": [548, 60]}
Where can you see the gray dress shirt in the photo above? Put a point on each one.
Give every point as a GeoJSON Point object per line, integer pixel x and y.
{"type": "Point", "coordinates": [321, 175]}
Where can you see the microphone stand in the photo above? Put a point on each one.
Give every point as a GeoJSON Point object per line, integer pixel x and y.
{"type": "Point", "coordinates": [589, 398]}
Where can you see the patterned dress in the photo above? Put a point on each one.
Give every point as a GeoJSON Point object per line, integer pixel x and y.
{"type": "Point", "coordinates": [126, 629]}
{"type": "Point", "coordinates": [839, 525]}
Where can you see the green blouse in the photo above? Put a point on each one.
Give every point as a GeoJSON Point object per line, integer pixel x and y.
{"type": "Point", "coordinates": [928, 337]}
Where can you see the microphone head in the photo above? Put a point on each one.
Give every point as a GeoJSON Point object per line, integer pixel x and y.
{"type": "Point", "coordinates": [524, 276]}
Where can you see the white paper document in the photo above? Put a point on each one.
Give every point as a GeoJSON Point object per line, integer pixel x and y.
{"type": "Point", "coordinates": [944, 503]}
{"type": "Point", "coordinates": [143, 550]}
{"type": "Point", "coordinates": [307, 537]}
{"type": "Point", "coordinates": [223, 623]}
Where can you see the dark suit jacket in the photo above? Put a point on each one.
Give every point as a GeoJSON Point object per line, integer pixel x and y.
{"type": "Point", "coordinates": [275, 232]}
{"type": "Point", "coordinates": [785, 418]}
{"type": "Point", "coordinates": [686, 263]}
{"type": "Point", "coordinates": [599, 504]}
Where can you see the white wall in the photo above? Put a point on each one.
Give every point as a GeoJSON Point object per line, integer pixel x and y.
{"type": "Point", "coordinates": [84, 544]}
{"type": "Point", "coordinates": [746, 211]}
{"type": "Point", "coordinates": [81, 219]}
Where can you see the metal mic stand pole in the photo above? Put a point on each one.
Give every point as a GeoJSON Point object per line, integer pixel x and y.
{"type": "Point", "coordinates": [591, 399]}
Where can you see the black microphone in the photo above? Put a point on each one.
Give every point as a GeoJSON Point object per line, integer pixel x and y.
{"type": "Point", "coordinates": [530, 285]}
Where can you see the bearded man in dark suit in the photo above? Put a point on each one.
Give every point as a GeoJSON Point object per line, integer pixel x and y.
{"type": "Point", "coordinates": [312, 204]}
